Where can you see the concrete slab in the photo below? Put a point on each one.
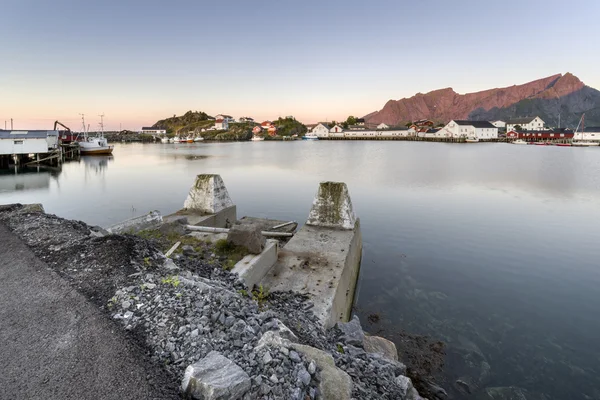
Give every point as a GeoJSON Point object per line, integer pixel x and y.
{"type": "Point", "coordinates": [324, 264]}
{"type": "Point", "coordinates": [208, 195]}
{"type": "Point", "coordinates": [252, 268]}
{"type": "Point", "coordinates": [332, 207]}
{"type": "Point", "coordinates": [136, 224]}
{"type": "Point", "coordinates": [222, 219]}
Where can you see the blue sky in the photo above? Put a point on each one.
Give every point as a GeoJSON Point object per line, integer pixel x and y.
{"type": "Point", "coordinates": [140, 61]}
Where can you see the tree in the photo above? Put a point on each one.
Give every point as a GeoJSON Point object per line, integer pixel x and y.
{"type": "Point", "coordinates": [408, 124]}
{"type": "Point", "coordinates": [351, 120]}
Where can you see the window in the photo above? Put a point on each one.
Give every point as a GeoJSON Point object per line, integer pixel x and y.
{"type": "Point", "coordinates": [18, 142]}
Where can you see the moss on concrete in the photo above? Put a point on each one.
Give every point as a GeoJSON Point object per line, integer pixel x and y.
{"type": "Point", "coordinates": [330, 202]}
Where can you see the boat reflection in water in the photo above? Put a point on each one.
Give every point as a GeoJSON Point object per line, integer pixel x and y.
{"type": "Point", "coordinates": [96, 164]}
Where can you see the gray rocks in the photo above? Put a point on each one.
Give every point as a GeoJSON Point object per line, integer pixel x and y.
{"type": "Point", "coordinates": [407, 389]}
{"type": "Point", "coordinates": [304, 376]}
{"type": "Point", "coordinates": [379, 345]}
{"type": "Point", "coordinates": [352, 332]}
{"type": "Point", "coordinates": [248, 236]}
{"type": "Point", "coordinates": [295, 357]}
{"type": "Point", "coordinates": [215, 377]}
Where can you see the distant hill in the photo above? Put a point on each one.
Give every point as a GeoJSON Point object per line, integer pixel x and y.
{"type": "Point", "coordinates": [190, 121]}
{"type": "Point", "coordinates": [547, 97]}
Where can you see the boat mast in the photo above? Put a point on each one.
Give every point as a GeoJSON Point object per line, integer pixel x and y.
{"type": "Point", "coordinates": [83, 125]}
{"type": "Point", "coordinates": [582, 125]}
{"type": "Point", "coordinates": [101, 125]}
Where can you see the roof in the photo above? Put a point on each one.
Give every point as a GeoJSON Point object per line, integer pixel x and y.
{"type": "Point", "coordinates": [219, 120]}
{"type": "Point", "coordinates": [35, 134]}
{"type": "Point", "coordinates": [476, 124]}
{"type": "Point", "coordinates": [225, 116]}
{"type": "Point", "coordinates": [325, 124]}
{"type": "Point", "coordinates": [591, 129]}
{"type": "Point", "coordinates": [522, 120]}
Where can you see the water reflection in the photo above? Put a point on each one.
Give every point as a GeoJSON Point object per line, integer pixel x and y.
{"type": "Point", "coordinates": [96, 164]}
{"type": "Point", "coordinates": [27, 178]}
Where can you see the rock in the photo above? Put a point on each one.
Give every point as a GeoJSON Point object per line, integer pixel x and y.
{"type": "Point", "coordinates": [379, 345]}
{"type": "Point", "coordinates": [215, 377]}
{"type": "Point", "coordinates": [248, 236]}
{"type": "Point", "coordinates": [463, 386]}
{"type": "Point", "coordinates": [407, 388]}
{"type": "Point", "coordinates": [335, 384]}
{"type": "Point", "coordinates": [188, 250]}
{"type": "Point", "coordinates": [295, 357]}
{"type": "Point", "coordinates": [125, 305]}
{"type": "Point", "coordinates": [274, 379]}
{"type": "Point", "coordinates": [352, 332]}
{"type": "Point", "coordinates": [304, 376]}
{"type": "Point", "coordinates": [267, 358]}
{"type": "Point", "coordinates": [312, 367]}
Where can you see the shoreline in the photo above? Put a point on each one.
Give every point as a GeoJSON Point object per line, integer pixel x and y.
{"type": "Point", "coordinates": [119, 295]}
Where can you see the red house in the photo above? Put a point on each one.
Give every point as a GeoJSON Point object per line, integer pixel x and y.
{"type": "Point", "coordinates": [556, 134]}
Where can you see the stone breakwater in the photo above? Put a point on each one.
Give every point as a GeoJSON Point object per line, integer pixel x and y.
{"type": "Point", "coordinates": [201, 325]}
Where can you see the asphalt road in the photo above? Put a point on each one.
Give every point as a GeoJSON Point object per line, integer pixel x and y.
{"type": "Point", "coordinates": [54, 344]}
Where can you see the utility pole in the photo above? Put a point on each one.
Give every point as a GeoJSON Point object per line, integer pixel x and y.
{"type": "Point", "coordinates": [11, 124]}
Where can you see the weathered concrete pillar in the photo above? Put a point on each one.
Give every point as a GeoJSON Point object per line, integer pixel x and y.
{"type": "Point", "coordinates": [332, 207]}
{"type": "Point", "coordinates": [208, 195]}
{"type": "Point", "coordinates": [208, 203]}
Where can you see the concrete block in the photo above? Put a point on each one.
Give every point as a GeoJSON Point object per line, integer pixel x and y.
{"type": "Point", "coordinates": [252, 268]}
{"type": "Point", "coordinates": [208, 195]}
{"type": "Point", "coordinates": [332, 207]}
{"type": "Point", "coordinates": [247, 236]}
{"type": "Point", "coordinates": [132, 225]}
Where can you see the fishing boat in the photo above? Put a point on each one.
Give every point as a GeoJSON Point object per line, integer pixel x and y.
{"type": "Point", "coordinates": [471, 140]}
{"type": "Point", "coordinates": [176, 139]}
{"type": "Point", "coordinates": [189, 139]}
{"type": "Point", "coordinates": [164, 139]}
{"type": "Point", "coordinates": [310, 136]}
{"type": "Point", "coordinates": [582, 143]}
{"type": "Point", "coordinates": [256, 138]}
{"type": "Point", "coordinates": [96, 145]}
{"type": "Point", "coordinates": [519, 141]}
{"type": "Point", "coordinates": [198, 139]}
{"type": "Point", "coordinates": [564, 144]}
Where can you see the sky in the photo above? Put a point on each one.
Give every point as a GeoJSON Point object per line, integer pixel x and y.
{"type": "Point", "coordinates": [138, 61]}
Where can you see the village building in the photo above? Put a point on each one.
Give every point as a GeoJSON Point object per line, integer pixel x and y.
{"type": "Point", "coordinates": [383, 125]}
{"type": "Point", "coordinates": [467, 129]}
{"type": "Point", "coordinates": [591, 133]}
{"type": "Point", "coordinates": [221, 124]}
{"type": "Point", "coordinates": [357, 127]}
{"type": "Point", "coordinates": [246, 119]}
{"type": "Point", "coordinates": [526, 124]}
{"type": "Point", "coordinates": [272, 130]}
{"type": "Point", "coordinates": [265, 124]}
{"type": "Point", "coordinates": [309, 127]}
{"type": "Point", "coordinates": [360, 121]}
{"type": "Point", "coordinates": [148, 130]}
{"type": "Point", "coordinates": [543, 134]}
{"type": "Point", "coordinates": [256, 129]}
{"type": "Point", "coordinates": [336, 129]}
{"type": "Point", "coordinates": [225, 117]}
{"type": "Point", "coordinates": [27, 142]}
{"type": "Point", "coordinates": [321, 129]}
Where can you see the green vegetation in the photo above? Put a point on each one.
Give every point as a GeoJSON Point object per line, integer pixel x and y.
{"type": "Point", "coordinates": [172, 280]}
{"type": "Point", "coordinates": [260, 295]}
{"type": "Point", "coordinates": [237, 131]}
{"type": "Point", "coordinates": [289, 126]}
{"type": "Point", "coordinates": [232, 252]}
{"type": "Point", "coordinates": [351, 120]}
{"type": "Point", "coordinates": [167, 240]}
{"type": "Point", "coordinates": [190, 121]}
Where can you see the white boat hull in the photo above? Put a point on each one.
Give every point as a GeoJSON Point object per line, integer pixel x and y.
{"type": "Point", "coordinates": [164, 140]}
{"type": "Point", "coordinates": [257, 139]}
{"type": "Point", "coordinates": [585, 144]}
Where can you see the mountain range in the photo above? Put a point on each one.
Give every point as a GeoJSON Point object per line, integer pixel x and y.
{"type": "Point", "coordinates": [564, 95]}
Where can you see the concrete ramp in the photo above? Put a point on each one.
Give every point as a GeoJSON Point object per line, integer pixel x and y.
{"type": "Point", "coordinates": [323, 259]}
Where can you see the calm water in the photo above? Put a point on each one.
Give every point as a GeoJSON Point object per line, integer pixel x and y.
{"type": "Point", "coordinates": [492, 248]}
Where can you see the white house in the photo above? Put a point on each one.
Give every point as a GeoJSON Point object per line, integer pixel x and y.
{"type": "Point", "coordinates": [221, 124]}
{"type": "Point", "coordinates": [498, 124]}
{"type": "Point", "coordinates": [383, 125]}
{"type": "Point", "coordinates": [528, 124]}
{"type": "Point", "coordinates": [27, 142]}
{"type": "Point", "coordinates": [360, 121]}
{"type": "Point", "coordinates": [336, 129]}
{"type": "Point", "coordinates": [225, 117]}
{"type": "Point", "coordinates": [321, 130]}
{"type": "Point", "coordinates": [468, 129]}
{"type": "Point", "coordinates": [246, 119]}
{"type": "Point", "coordinates": [153, 131]}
